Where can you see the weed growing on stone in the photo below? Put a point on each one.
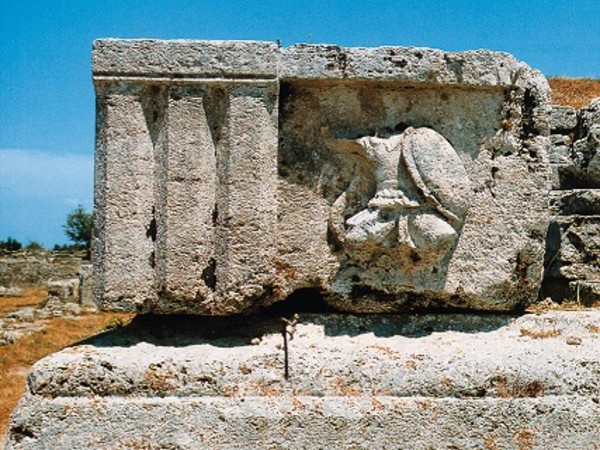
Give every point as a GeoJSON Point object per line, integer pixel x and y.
{"type": "Point", "coordinates": [540, 334]}
{"type": "Point", "coordinates": [517, 388]}
{"type": "Point", "coordinates": [593, 329]}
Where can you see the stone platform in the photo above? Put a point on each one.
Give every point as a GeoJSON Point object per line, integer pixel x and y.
{"type": "Point", "coordinates": [452, 381]}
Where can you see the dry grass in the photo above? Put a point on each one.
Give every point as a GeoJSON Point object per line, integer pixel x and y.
{"type": "Point", "coordinates": [575, 92]}
{"type": "Point", "coordinates": [566, 305]}
{"type": "Point", "coordinates": [594, 329]}
{"type": "Point", "coordinates": [30, 297]}
{"type": "Point", "coordinates": [518, 389]}
{"type": "Point", "coordinates": [540, 334]}
{"type": "Point", "coordinates": [16, 359]}
{"type": "Point", "coordinates": [525, 439]}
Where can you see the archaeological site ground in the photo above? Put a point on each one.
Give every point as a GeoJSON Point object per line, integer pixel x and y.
{"type": "Point", "coordinates": [327, 247]}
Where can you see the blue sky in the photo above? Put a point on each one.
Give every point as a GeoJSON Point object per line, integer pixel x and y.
{"type": "Point", "coordinates": [47, 97]}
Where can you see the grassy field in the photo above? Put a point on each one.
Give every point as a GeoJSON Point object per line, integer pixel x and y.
{"type": "Point", "coordinates": [16, 359]}
{"type": "Point", "coordinates": [30, 297]}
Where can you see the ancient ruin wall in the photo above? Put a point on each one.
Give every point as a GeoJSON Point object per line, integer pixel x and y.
{"type": "Point", "coordinates": [36, 268]}
{"type": "Point", "coordinates": [231, 174]}
{"type": "Point", "coordinates": [573, 241]}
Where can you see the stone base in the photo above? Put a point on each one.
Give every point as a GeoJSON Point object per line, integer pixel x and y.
{"type": "Point", "coordinates": [374, 422]}
{"type": "Point", "coordinates": [436, 381]}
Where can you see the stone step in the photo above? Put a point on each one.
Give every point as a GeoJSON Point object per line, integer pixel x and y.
{"type": "Point", "coordinates": [340, 354]}
{"type": "Point", "coordinates": [298, 422]}
{"type": "Point", "coordinates": [413, 381]}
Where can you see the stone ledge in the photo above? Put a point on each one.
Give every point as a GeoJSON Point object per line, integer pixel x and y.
{"type": "Point", "coordinates": [424, 65]}
{"type": "Point", "coordinates": [364, 422]}
{"type": "Point", "coordinates": [176, 59]}
{"type": "Point", "coordinates": [183, 58]}
{"type": "Point", "coordinates": [432, 356]}
{"type": "Point", "coordinates": [418, 381]}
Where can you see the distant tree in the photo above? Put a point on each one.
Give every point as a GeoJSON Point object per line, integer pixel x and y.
{"type": "Point", "coordinates": [67, 247]}
{"type": "Point", "coordinates": [34, 246]}
{"type": "Point", "coordinates": [78, 227]}
{"type": "Point", "coordinates": [10, 244]}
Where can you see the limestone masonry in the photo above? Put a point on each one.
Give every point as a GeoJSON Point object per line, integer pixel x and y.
{"type": "Point", "coordinates": [231, 174]}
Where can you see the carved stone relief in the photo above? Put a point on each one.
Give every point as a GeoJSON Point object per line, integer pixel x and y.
{"type": "Point", "coordinates": [403, 210]}
{"type": "Point", "coordinates": [230, 175]}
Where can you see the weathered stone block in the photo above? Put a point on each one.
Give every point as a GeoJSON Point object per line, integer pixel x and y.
{"type": "Point", "coordinates": [562, 118]}
{"type": "Point", "coordinates": [64, 291]}
{"type": "Point", "coordinates": [583, 171]}
{"type": "Point", "coordinates": [185, 59]}
{"type": "Point", "coordinates": [86, 287]}
{"type": "Point", "coordinates": [231, 174]}
{"type": "Point", "coordinates": [583, 202]}
{"type": "Point", "coordinates": [590, 115]}
{"type": "Point", "coordinates": [426, 381]}
{"type": "Point", "coordinates": [573, 249]}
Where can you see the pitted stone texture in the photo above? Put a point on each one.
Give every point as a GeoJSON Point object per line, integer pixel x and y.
{"type": "Point", "coordinates": [584, 202]}
{"type": "Point", "coordinates": [375, 422]}
{"type": "Point", "coordinates": [573, 258]}
{"type": "Point", "coordinates": [194, 59]}
{"type": "Point", "coordinates": [197, 187]}
{"type": "Point", "coordinates": [590, 115]}
{"type": "Point", "coordinates": [405, 381]}
{"type": "Point", "coordinates": [410, 64]}
{"type": "Point", "coordinates": [575, 154]}
{"type": "Point", "coordinates": [496, 261]}
{"type": "Point", "coordinates": [563, 118]}
{"type": "Point", "coordinates": [332, 355]}
{"type": "Point", "coordinates": [573, 250]}
{"type": "Point", "coordinates": [212, 200]}
{"type": "Point", "coordinates": [578, 253]}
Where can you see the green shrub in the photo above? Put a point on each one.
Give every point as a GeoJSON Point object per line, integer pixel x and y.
{"type": "Point", "coordinates": [10, 244]}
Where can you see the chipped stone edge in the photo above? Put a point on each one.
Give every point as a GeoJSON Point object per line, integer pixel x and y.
{"type": "Point", "coordinates": [175, 59]}
{"type": "Point", "coordinates": [181, 59]}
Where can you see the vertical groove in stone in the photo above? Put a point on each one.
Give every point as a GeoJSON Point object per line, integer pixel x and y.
{"type": "Point", "coordinates": [154, 103]}
{"type": "Point", "coordinates": [100, 198]}
{"type": "Point", "coordinates": [189, 196]}
{"type": "Point", "coordinates": [125, 201]}
{"type": "Point", "coordinates": [245, 248]}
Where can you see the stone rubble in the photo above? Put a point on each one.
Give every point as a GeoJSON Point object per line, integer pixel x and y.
{"type": "Point", "coordinates": [34, 268]}
{"type": "Point", "coordinates": [12, 291]}
{"type": "Point", "coordinates": [63, 300]}
{"type": "Point", "coordinates": [573, 243]}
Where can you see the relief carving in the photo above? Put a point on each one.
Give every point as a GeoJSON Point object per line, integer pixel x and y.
{"type": "Point", "coordinates": [406, 203]}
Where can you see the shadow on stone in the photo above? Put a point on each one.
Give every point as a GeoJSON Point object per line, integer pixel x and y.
{"type": "Point", "coordinates": [310, 307]}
